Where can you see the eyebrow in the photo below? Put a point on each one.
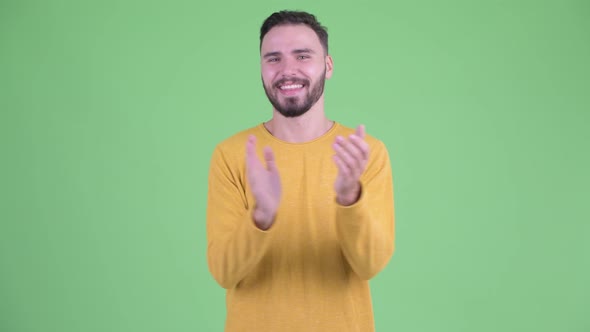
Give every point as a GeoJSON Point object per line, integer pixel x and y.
{"type": "Point", "coordinates": [296, 51]}
{"type": "Point", "coordinates": [303, 50]}
{"type": "Point", "coordinates": [269, 54]}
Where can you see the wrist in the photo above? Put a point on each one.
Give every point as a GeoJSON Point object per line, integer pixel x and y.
{"type": "Point", "coordinates": [263, 219]}
{"type": "Point", "coordinates": [350, 197]}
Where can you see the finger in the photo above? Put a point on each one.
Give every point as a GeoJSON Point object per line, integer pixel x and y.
{"type": "Point", "coordinates": [251, 144]}
{"type": "Point", "coordinates": [361, 145]}
{"type": "Point", "coordinates": [350, 161]}
{"type": "Point", "coordinates": [343, 169]}
{"type": "Point", "coordinates": [354, 153]}
{"type": "Point", "coordinates": [252, 160]}
{"type": "Point", "coordinates": [270, 159]}
{"type": "Point", "coordinates": [360, 131]}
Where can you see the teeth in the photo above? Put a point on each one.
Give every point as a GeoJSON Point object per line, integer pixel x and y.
{"type": "Point", "coordinates": [291, 87]}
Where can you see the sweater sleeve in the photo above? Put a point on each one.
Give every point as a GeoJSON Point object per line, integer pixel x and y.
{"type": "Point", "coordinates": [234, 244]}
{"type": "Point", "coordinates": [366, 229]}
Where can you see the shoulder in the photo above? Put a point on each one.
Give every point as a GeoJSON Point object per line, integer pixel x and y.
{"type": "Point", "coordinates": [235, 145]}
{"type": "Point", "coordinates": [237, 140]}
{"type": "Point", "coordinates": [379, 159]}
{"type": "Point", "coordinates": [229, 154]}
{"type": "Point", "coordinates": [374, 142]}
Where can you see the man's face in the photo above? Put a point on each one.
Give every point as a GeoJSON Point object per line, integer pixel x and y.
{"type": "Point", "coordinates": [294, 68]}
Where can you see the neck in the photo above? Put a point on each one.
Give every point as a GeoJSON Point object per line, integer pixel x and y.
{"type": "Point", "coordinates": [301, 129]}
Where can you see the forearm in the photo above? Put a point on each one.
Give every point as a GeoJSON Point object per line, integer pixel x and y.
{"type": "Point", "coordinates": [233, 253]}
{"type": "Point", "coordinates": [235, 245]}
{"type": "Point", "coordinates": [366, 236]}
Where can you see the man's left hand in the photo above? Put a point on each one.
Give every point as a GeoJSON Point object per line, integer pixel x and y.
{"type": "Point", "coordinates": [351, 159]}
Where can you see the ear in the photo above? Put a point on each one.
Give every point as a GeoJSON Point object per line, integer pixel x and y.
{"type": "Point", "coordinates": [329, 66]}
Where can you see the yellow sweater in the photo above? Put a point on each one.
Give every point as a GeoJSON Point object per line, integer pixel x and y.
{"type": "Point", "coordinates": [310, 270]}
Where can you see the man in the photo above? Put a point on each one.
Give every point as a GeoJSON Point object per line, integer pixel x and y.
{"type": "Point", "coordinates": [295, 237]}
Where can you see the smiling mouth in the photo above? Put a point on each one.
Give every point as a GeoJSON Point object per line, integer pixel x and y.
{"type": "Point", "coordinates": [291, 86]}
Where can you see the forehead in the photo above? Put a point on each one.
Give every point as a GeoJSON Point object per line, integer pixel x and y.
{"type": "Point", "coordinates": [284, 38]}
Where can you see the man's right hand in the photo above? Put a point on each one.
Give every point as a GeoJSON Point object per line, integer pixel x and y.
{"type": "Point", "coordinates": [265, 184]}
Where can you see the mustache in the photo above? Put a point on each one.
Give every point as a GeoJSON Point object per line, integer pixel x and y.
{"type": "Point", "coordinates": [292, 80]}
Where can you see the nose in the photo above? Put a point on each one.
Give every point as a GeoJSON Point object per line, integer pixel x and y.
{"type": "Point", "coordinates": [289, 67]}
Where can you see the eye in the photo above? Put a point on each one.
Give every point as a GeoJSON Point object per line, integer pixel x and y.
{"type": "Point", "coordinates": [302, 57]}
{"type": "Point", "coordinates": [273, 59]}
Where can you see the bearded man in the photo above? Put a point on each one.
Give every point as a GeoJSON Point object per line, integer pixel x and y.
{"type": "Point", "coordinates": [295, 236]}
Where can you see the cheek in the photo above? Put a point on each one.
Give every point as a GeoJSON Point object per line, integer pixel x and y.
{"type": "Point", "coordinates": [315, 69]}
{"type": "Point", "coordinates": [267, 75]}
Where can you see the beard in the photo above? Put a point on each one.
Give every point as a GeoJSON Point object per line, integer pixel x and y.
{"type": "Point", "coordinates": [296, 106]}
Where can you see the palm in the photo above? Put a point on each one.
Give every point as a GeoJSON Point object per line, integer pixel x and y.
{"type": "Point", "coordinates": [265, 182]}
{"type": "Point", "coordinates": [351, 158]}
{"type": "Point", "coordinates": [344, 183]}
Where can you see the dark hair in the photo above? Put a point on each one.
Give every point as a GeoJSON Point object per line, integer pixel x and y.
{"type": "Point", "coordinates": [288, 17]}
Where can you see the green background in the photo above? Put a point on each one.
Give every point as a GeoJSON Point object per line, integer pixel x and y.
{"type": "Point", "coordinates": [110, 111]}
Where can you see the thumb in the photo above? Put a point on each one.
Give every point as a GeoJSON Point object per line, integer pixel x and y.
{"type": "Point", "coordinates": [360, 131]}
{"type": "Point", "coordinates": [270, 159]}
